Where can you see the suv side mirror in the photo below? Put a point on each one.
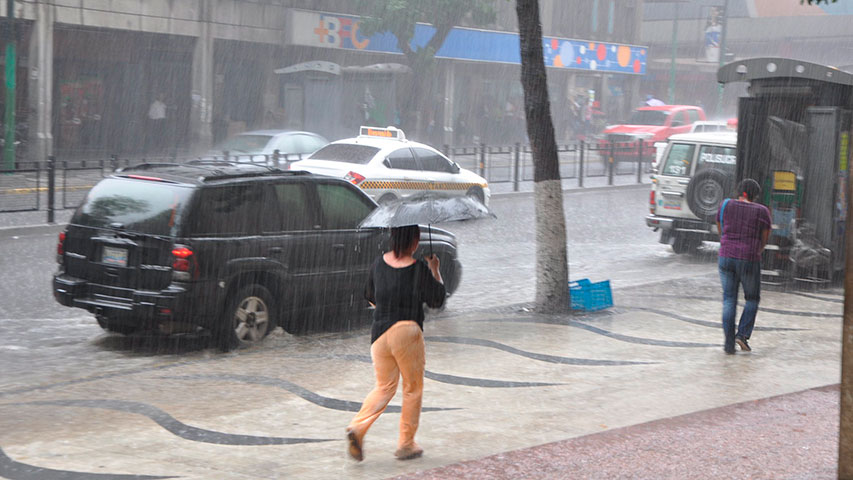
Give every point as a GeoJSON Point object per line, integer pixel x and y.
{"type": "Point", "coordinates": [454, 167]}
{"type": "Point", "coordinates": [677, 123]}
{"type": "Point", "coordinates": [386, 162]}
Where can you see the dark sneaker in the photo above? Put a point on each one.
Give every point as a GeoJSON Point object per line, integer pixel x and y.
{"type": "Point", "coordinates": [742, 343]}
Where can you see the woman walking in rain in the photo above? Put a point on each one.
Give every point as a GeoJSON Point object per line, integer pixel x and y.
{"type": "Point", "coordinates": [398, 286]}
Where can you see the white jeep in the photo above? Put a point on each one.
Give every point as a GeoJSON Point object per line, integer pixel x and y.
{"type": "Point", "coordinates": [695, 173]}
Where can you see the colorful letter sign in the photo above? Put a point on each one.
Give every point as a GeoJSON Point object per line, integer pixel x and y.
{"type": "Point", "coordinates": [341, 32]}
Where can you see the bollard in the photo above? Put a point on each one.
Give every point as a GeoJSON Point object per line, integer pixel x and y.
{"type": "Point", "coordinates": [640, 161]}
{"type": "Point", "coordinates": [51, 189]}
{"type": "Point", "coordinates": [581, 147]}
{"type": "Point", "coordinates": [610, 163]}
{"type": "Point", "coordinates": [114, 162]}
{"type": "Point", "coordinates": [483, 160]}
{"type": "Point", "coordinates": [517, 161]}
{"type": "Point", "coordinates": [225, 155]}
{"type": "Point", "coordinates": [275, 158]}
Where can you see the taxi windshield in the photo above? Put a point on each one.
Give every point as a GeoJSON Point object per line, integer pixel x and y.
{"type": "Point", "coordinates": [345, 152]}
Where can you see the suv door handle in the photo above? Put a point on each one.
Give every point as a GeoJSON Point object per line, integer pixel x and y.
{"type": "Point", "coordinates": [276, 250]}
{"type": "Point", "coordinates": [338, 246]}
{"type": "Point", "coordinates": [684, 182]}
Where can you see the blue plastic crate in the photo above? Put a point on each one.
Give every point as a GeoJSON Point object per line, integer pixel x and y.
{"type": "Point", "coordinates": [590, 296]}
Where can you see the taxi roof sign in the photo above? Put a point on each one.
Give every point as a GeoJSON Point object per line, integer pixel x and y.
{"type": "Point", "coordinates": [389, 132]}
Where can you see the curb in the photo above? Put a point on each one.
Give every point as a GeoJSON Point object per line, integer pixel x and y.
{"type": "Point", "coordinates": [32, 229]}
{"type": "Point", "coordinates": [47, 227]}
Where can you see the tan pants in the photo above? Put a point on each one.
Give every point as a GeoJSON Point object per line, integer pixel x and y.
{"type": "Point", "coordinates": [400, 350]}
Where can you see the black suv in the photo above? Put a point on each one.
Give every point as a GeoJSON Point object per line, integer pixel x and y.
{"type": "Point", "coordinates": [235, 249]}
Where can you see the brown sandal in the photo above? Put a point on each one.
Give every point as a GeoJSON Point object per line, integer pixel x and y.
{"type": "Point", "coordinates": [354, 446]}
{"type": "Point", "coordinates": [408, 453]}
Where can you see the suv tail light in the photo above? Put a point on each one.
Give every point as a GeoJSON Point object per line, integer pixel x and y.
{"type": "Point", "coordinates": [60, 247]}
{"type": "Point", "coordinates": [354, 178]}
{"type": "Point", "coordinates": [184, 266]}
{"type": "Point", "coordinates": [652, 201]}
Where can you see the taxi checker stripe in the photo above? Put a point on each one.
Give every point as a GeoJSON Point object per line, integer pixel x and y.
{"type": "Point", "coordinates": [401, 185]}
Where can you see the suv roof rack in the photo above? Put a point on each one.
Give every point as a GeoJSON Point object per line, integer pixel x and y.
{"type": "Point", "coordinates": [272, 172]}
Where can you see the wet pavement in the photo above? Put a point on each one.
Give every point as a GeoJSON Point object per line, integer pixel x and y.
{"type": "Point", "coordinates": [640, 390]}
{"type": "Point", "coordinates": [498, 380]}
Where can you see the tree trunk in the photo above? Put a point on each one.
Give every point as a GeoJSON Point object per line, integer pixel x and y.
{"type": "Point", "coordinates": [552, 270]}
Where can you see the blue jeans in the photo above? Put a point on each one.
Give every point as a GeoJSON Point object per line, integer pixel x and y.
{"type": "Point", "coordinates": [734, 272]}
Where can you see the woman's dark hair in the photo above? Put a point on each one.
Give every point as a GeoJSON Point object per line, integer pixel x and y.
{"type": "Point", "coordinates": [750, 188]}
{"type": "Point", "coordinates": [402, 238]}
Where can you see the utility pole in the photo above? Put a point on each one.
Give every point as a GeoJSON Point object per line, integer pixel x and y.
{"type": "Point", "coordinates": [674, 54]}
{"type": "Point", "coordinates": [9, 122]}
{"type": "Point", "coordinates": [719, 110]}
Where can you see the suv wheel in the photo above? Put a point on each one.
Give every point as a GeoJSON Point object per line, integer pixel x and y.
{"type": "Point", "coordinates": [248, 318]}
{"type": "Point", "coordinates": [114, 327]}
{"type": "Point", "coordinates": [706, 191]}
{"type": "Point", "coordinates": [683, 244]}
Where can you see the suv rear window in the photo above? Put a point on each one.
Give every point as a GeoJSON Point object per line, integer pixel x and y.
{"type": "Point", "coordinates": [713, 156]}
{"type": "Point", "coordinates": [142, 206]}
{"type": "Point", "coordinates": [346, 152]}
{"type": "Point", "coordinates": [678, 160]}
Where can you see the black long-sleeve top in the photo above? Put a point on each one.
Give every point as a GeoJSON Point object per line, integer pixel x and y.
{"type": "Point", "coordinates": [399, 294]}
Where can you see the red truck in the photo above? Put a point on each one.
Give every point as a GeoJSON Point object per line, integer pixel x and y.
{"type": "Point", "coordinates": [649, 124]}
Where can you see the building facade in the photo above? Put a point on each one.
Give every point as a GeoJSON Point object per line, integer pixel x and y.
{"type": "Point", "coordinates": [100, 77]}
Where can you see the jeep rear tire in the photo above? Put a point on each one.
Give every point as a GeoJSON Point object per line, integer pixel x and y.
{"type": "Point", "coordinates": [248, 318]}
{"type": "Point", "coordinates": [683, 244]}
{"type": "Point", "coordinates": [706, 191]}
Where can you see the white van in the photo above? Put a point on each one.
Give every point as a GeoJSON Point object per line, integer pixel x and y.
{"type": "Point", "coordinates": [696, 172]}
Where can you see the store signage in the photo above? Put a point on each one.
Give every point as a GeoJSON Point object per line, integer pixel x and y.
{"type": "Point", "coordinates": [342, 32]}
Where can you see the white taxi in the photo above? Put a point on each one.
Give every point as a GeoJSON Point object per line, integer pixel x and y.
{"type": "Point", "coordinates": [388, 167]}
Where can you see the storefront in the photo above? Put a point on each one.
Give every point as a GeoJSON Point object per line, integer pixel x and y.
{"type": "Point", "coordinates": [105, 83]}
{"type": "Point", "coordinates": [474, 92]}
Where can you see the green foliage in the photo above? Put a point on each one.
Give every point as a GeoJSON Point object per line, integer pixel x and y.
{"type": "Point", "coordinates": [400, 17]}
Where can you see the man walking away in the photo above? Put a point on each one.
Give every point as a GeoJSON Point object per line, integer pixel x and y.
{"type": "Point", "coordinates": [157, 123]}
{"type": "Point", "coordinates": [744, 227]}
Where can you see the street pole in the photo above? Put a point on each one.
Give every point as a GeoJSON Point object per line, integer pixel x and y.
{"type": "Point", "coordinates": [674, 54]}
{"type": "Point", "coordinates": [719, 110]}
{"type": "Point", "coordinates": [9, 134]}
{"type": "Point", "coordinates": [845, 427]}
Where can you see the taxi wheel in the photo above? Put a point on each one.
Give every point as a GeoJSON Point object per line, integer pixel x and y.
{"type": "Point", "coordinates": [476, 193]}
{"type": "Point", "coordinates": [386, 199]}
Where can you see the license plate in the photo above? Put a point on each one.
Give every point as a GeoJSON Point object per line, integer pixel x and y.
{"type": "Point", "coordinates": [672, 204]}
{"type": "Point", "coordinates": [114, 256]}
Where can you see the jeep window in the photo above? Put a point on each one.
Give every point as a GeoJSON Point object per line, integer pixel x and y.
{"type": "Point", "coordinates": [136, 205]}
{"type": "Point", "coordinates": [648, 117]}
{"type": "Point", "coordinates": [346, 152]}
{"type": "Point", "coordinates": [403, 159]}
{"type": "Point", "coordinates": [720, 158]}
{"type": "Point", "coordinates": [678, 159]}
{"type": "Point", "coordinates": [342, 207]}
{"type": "Point", "coordinates": [229, 210]}
{"type": "Point", "coordinates": [293, 211]}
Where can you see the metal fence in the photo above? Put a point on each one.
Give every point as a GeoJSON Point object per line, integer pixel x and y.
{"type": "Point", "coordinates": [514, 164]}
{"type": "Point", "coordinates": [63, 183]}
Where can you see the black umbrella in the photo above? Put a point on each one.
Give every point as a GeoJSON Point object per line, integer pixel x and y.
{"type": "Point", "coordinates": [426, 208]}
